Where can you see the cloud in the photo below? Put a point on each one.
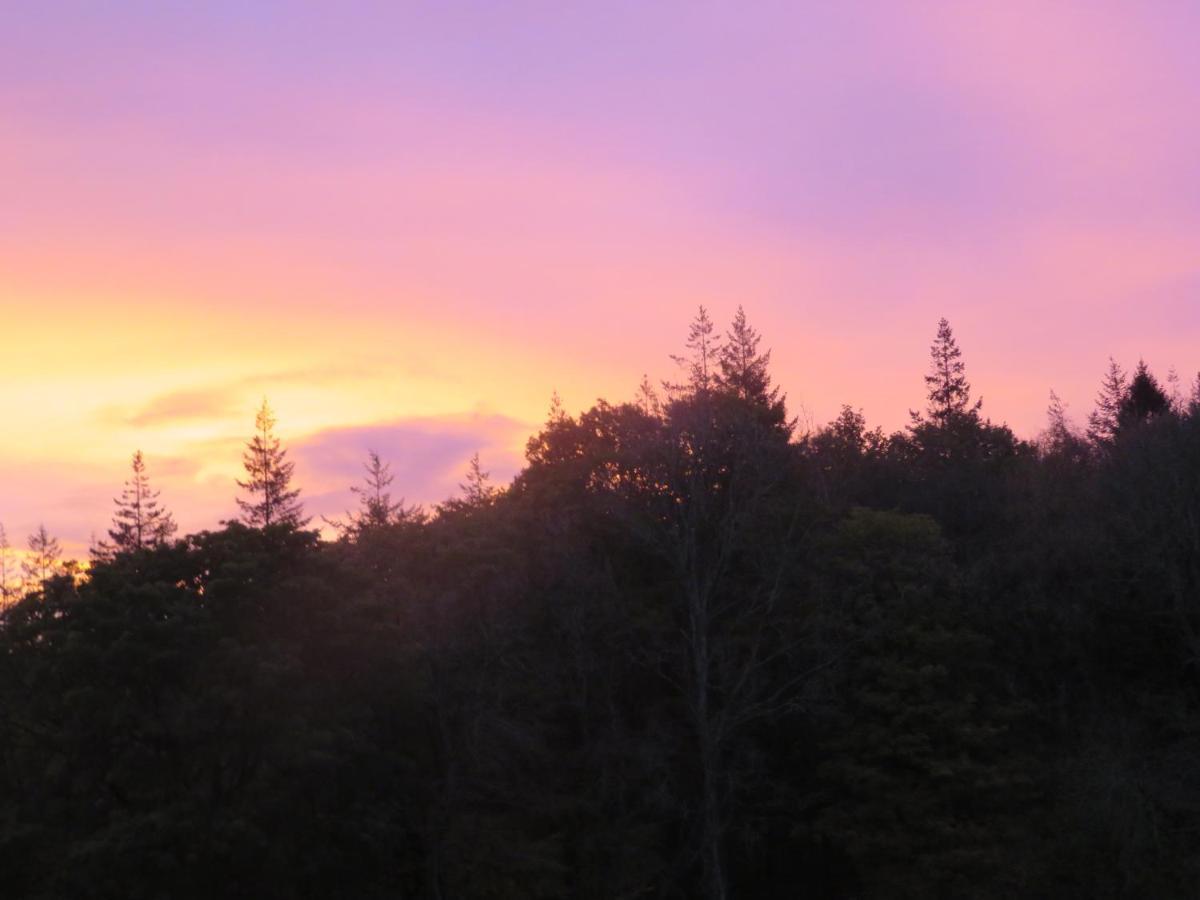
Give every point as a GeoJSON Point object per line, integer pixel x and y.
{"type": "Point", "coordinates": [179, 406]}
{"type": "Point", "coordinates": [428, 457]}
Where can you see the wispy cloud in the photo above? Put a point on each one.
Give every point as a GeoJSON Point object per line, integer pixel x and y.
{"type": "Point", "coordinates": [186, 405]}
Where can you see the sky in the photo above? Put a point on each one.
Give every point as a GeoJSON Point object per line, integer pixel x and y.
{"type": "Point", "coordinates": [407, 225]}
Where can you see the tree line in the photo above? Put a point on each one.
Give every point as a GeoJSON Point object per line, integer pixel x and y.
{"type": "Point", "coordinates": [686, 652]}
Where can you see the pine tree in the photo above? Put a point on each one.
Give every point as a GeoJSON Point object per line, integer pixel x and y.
{"type": "Point", "coordinates": [9, 586]}
{"type": "Point", "coordinates": [376, 508]}
{"type": "Point", "coordinates": [45, 557]}
{"type": "Point", "coordinates": [1105, 420]}
{"type": "Point", "coordinates": [949, 390]}
{"type": "Point", "coordinates": [1057, 427]}
{"type": "Point", "coordinates": [1060, 437]}
{"type": "Point", "coordinates": [647, 398]}
{"type": "Point", "coordinates": [743, 370]}
{"type": "Point", "coordinates": [744, 373]}
{"type": "Point", "coordinates": [701, 366]}
{"type": "Point", "coordinates": [139, 522]}
{"type": "Point", "coordinates": [1145, 399]}
{"type": "Point", "coordinates": [477, 489]}
{"type": "Point", "coordinates": [272, 500]}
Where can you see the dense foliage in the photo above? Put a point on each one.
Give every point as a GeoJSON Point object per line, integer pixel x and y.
{"type": "Point", "coordinates": [686, 653]}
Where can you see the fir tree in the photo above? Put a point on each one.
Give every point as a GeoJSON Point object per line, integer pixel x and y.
{"type": "Point", "coordinates": [9, 587]}
{"type": "Point", "coordinates": [45, 557]}
{"type": "Point", "coordinates": [1105, 420]}
{"type": "Point", "coordinates": [647, 398]}
{"type": "Point", "coordinates": [949, 390]}
{"type": "Point", "coordinates": [743, 370]}
{"type": "Point", "coordinates": [1058, 429]}
{"type": "Point", "coordinates": [744, 373]}
{"type": "Point", "coordinates": [477, 489]}
{"type": "Point", "coordinates": [376, 508]}
{"type": "Point", "coordinates": [140, 521]}
{"type": "Point", "coordinates": [1143, 400]}
{"type": "Point", "coordinates": [702, 363]}
{"type": "Point", "coordinates": [272, 500]}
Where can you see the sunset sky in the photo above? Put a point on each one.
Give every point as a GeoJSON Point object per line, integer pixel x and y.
{"type": "Point", "coordinates": [407, 225]}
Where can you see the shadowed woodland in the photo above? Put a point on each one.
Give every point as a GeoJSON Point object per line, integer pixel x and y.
{"type": "Point", "coordinates": [688, 652]}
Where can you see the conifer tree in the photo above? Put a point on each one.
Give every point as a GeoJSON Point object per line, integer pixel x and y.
{"type": "Point", "coordinates": [9, 587]}
{"type": "Point", "coordinates": [272, 499]}
{"type": "Point", "coordinates": [477, 489]}
{"type": "Point", "coordinates": [949, 390]}
{"type": "Point", "coordinates": [1060, 437]}
{"type": "Point", "coordinates": [140, 521]}
{"type": "Point", "coordinates": [376, 508]}
{"type": "Point", "coordinates": [1105, 420]}
{"type": "Point", "coordinates": [1144, 399]}
{"type": "Point", "coordinates": [744, 373]}
{"type": "Point", "coordinates": [1057, 427]}
{"type": "Point", "coordinates": [45, 557]}
{"type": "Point", "coordinates": [743, 370]}
{"type": "Point", "coordinates": [702, 363]}
{"type": "Point", "coordinates": [647, 398]}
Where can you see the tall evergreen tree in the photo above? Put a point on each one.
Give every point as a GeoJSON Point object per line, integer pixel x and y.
{"type": "Point", "coordinates": [9, 588]}
{"type": "Point", "coordinates": [1145, 399]}
{"type": "Point", "coordinates": [477, 490]}
{"type": "Point", "coordinates": [744, 372]}
{"type": "Point", "coordinates": [702, 362]}
{"type": "Point", "coordinates": [272, 499]}
{"type": "Point", "coordinates": [949, 390]}
{"type": "Point", "coordinates": [44, 560]}
{"type": "Point", "coordinates": [1105, 420]}
{"type": "Point", "coordinates": [743, 369]}
{"type": "Point", "coordinates": [140, 520]}
{"type": "Point", "coordinates": [376, 507]}
{"type": "Point", "coordinates": [1058, 428]}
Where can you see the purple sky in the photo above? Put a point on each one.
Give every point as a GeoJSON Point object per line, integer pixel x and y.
{"type": "Point", "coordinates": [408, 224]}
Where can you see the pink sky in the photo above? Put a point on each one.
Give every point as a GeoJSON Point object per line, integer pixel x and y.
{"type": "Point", "coordinates": [408, 224]}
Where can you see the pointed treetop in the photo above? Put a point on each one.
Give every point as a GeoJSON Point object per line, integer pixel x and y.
{"type": "Point", "coordinates": [9, 585]}
{"type": "Point", "coordinates": [556, 414]}
{"type": "Point", "coordinates": [743, 368]}
{"type": "Point", "coordinates": [1144, 399]}
{"type": "Point", "coordinates": [702, 361]}
{"type": "Point", "coordinates": [949, 390]}
{"type": "Point", "coordinates": [140, 521]}
{"type": "Point", "coordinates": [1105, 420]}
{"type": "Point", "coordinates": [1059, 434]}
{"type": "Point", "coordinates": [647, 398]}
{"type": "Point", "coordinates": [477, 489]}
{"type": "Point", "coordinates": [44, 559]}
{"type": "Point", "coordinates": [376, 507]}
{"type": "Point", "coordinates": [272, 499]}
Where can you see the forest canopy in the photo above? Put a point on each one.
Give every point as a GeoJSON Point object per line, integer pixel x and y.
{"type": "Point", "coordinates": [689, 651]}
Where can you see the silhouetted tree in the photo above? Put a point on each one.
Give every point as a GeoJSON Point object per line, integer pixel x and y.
{"type": "Point", "coordinates": [477, 490]}
{"type": "Point", "coordinates": [949, 390]}
{"type": "Point", "coordinates": [702, 362]}
{"type": "Point", "coordinates": [1144, 399]}
{"type": "Point", "coordinates": [683, 654]}
{"type": "Point", "coordinates": [44, 560]}
{"type": "Point", "coordinates": [1105, 420]}
{"type": "Point", "coordinates": [376, 507]}
{"type": "Point", "coordinates": [744, 373]}
{"type": "Point", "coordinates": [9, 586]}
{"type": "Point", "coordinates": [647, 398]}
{"type": "Point", "coordinates": [140, 521]}
{"type": "Point", "coordinates": [272, 500]}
